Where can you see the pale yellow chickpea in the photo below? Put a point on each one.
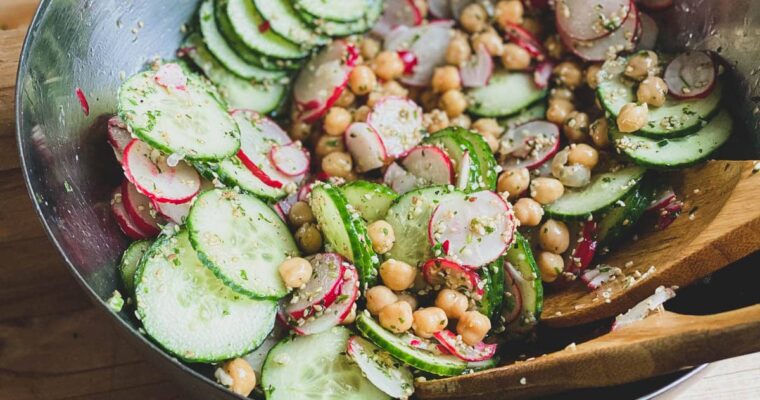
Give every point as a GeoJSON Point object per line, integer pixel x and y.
{"type": "Point", "coordinates": [490, 40]}
{"type": "Point", "coordinates": [243, 377]}
{"type": "Point", "coordinates": [559, 110]}
{"type": "Point", "coordinates": [382, 236]}
{"type": "Point", "coordinates": [492, 141]}
{"type": "Point", "coordinates": [295, 272]}
{"type": "Point", "coordinates": [462, 121]}
{"type": "Point", "coordinates": [453, 303]}
{"type": "Point", "coordinates": [528, 211]}
{"type": "Point", "coordinates": [397, 275]}
{"type": "Point", "coordinates": [473, 327]}
{"type": "Point", "coordinates": [336, 121]}
{"type": "Point", "coordinates": [435, 120]}
{"type": "Point", "coordinates": [396, 317]}
{"type": "Point", "coordinates": [393, 88]}
{"type": "Point", "coordinates": [553, 236]}
{"type": "Point", "coordinates": [453, 103]}
{"type": "Point", "coordinates": [409, 299]}
{"type": "Point", "coordinates": [361, 113]}
{"type": "Point", "coordinates": [346, 99]}
{"type": "Point", "coordinates": [488, 126]}
{"type": "Point", "coordinates": [652, 91]}
{"type": "Point", "coordinates": [378, 297]}
{"type": "Point", "coordinates": [583, 154]}
{"type": "Point", "coordinates": [554, 47]}
{"type": "Point", "coordinates": [328, 144]}
{"type": "Point", "coordinates": [300, 213]}
{"type": "Point", "coordinates": [446, 78]}
{"type": "Point", "coordinates": [388, 65]}
{"type": "Point", "coordinates": [369, 47]}
{"type": "Point", "coordinates": [458, 51]}
{"type": "Point", "coordinates": [513, 181]}
{"type": "Point", "coordinates": [550, 265]}
{"type": "Point", "coordinates": [599, 131]}
{"type": "Point", "coordinates": [632, 117]}
{"type": "Point", "coordinates": [546, 190]}
{"type": "Point", "coordinates": [515, 58]}
{"type": "Point", "coordinates": [429, 100]}
{"type": "Point", "coordinates": [428, 321]}
{"type": "Point", "coordinates": [337, 164]}
{"type": "Point", "coordinates": [562, 93]}
{"type": "Point", "coordinates": [533, 25]}
{"type": "Point", "coordinates": [592, 73]}
{"type": "Point", "coordinates": [309, 238]}
{"type": "Point", "coordinates": [362, 80]}
{"type": "Point", "coordinates": [474, 18]}
{"type": "Point", "coordinates": [641, 65]}
{"type": "Point", "coordinates": [509, 12]}
{"type": "Point", "coordinates": [300, 130]}
{"type": "Point", "coordinates": [569, 74]}
{"type": "Point", "coordinates": [575, 126]}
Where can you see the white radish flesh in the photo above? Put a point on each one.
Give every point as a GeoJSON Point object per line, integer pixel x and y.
{"type": "Point", "coordinates": [428, 43]}
{"type": "Point", "coordinates": [397, 13]}
{"type": "Point", "coordinates": [337, 312]}
{"type": "Point", "coordinates": [290, 159]}
{"type": "Point", "coordinates": [691, 75]}
{"type": "Point", "coordinates": [597, 50]}
{"type": "Point", "coordinates": [445, 273]}
{"type": "Point", "coordinates": [477, 72]}
{"type": "Point", "coordinates": [139, 207]}
{"type": "Point", "coordinates": [171, 76]}
{"type": "Point", "coordinates": [176, 213]}
{"type": "Point", "coordinates": [529, 145]}
{"type": "Point", "coordinates": [398, 121]}
{"type": "Point", "coordinates": [149, 171]}
{"type": "Point", "coordinates": [644, 308]}
{"type": "Point", "coordinates": [589, 20]}
{"type": "Point", "coordinates": [321, 290]}
{"type": "Point", "coordinates": [463, 351]}
{"type": "Point", "coordinates": [123, 219]}
{"type": "Point", "coordinates": [118, 136]}
{"type": "Point", "coordinates": [391, 377]}
{"type": "Point", "coordinates": [366, 146]}
{"type": "Point", "coordinates": [463, 174]}
{"type": "Point", "coordinates": [398, 179]}
{"type": "Point", "coordinates": [648, 32]}
{"type": "Point", "coordinates": [440, 9]}
{"type": "Point", "coordinates": [430, 164]}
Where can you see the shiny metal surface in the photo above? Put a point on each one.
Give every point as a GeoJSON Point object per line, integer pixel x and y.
{"type": "Point", "coordinates": [93, 44]}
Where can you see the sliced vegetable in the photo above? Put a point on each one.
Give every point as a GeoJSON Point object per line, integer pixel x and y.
{"type": "Point", "coordinates": [240, 21]}
{"type": "Point", "coordinates": [366, 146]}
{"type": "Point", "coordinates": [492, 301]}
{"type": "Point", "coordinates": [440, 9]}
{"type": "Point", "coordinates": [465, 352]}
{"type": "Point", "coordinates": [585, 246]}
{"type": "Point", "coordinates": [596, 277]}
{"type": "Point", "coordinates": [334, 314]}
{"type": "Point", "coordinates": [619, 40]}
{"type": "Point", "coordinates": [644, 308]}
{"type": "Point", "coordinates": [529, 145]}
{"type": "Point", "coordinates": [441, 273]}
{"type": "Point", "coordinates": [691, 75]}
{"type": "Point", "coordinates": [427, 42]}
{"type": "Point", "coordinates": [340, 29]}
{"type": "Point", "coordinates": [622, 217]}
{"type": "Point", "coordinates": [385, 372]}
{"type": "Point", "coordinates": [321, 290]}
{"type": "Point", "coordinates": [130, 262]}
{"type": "Point", "coordinates": [486, 160]}
{"type": "Point", "coordinates": [523, 38]}
{"type": "Point", "coordinates": [370, 200]}
{"type": "Point", "coordinates": [542, 74]}
{"type": "Point", "coordinates": [477, 71]}
{"type": "Point", "coordinates": [290, 159]}
{"type": "Point", "coordinates": [582, 20]}
{"type": "Point", "coordinates": [398, 121]}
{"type": "Point", "coordinates": [506, 94]}
{"type": "Point", "coordinates": [535, 112]}
{"type": "Point", "coordinates": [399, 179]}
{"type": "Point", "coordinates": [430, 164]}
{"type": "Point", "coordinates": [123, 219]}
{"type": "Point", "coordinates": [397, 13]}
{"type": "Point", "coordinates": [525, 276]}
{"type": "Point", "coordinates": [649, 32]}
{"type": "Point", "coordinates": [150, 172]}
{"type": "Point", "coordinates": [118, 136]}
{"type": "Point", "coordinates": [456, 146]}
{"type": "Point", "coordinates": [176, 213]}
{"type": "Point", "coordinates": [141, 210]}
{"type": "Point", "coordinates": [334, 10]}
{"type": "Point", "coordinates": [284, 20]}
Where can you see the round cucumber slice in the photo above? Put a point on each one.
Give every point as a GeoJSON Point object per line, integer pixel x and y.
{"type": "Point", "coordinates": [191, 313]}
{"type": "Point", "coordinates": [284, 20]}
{"type": "Point", "coordinates": [506, 93]}
{"type": "Point", "coordinates": [130, 261]}
{"type": "Point", "coordinates": [622, 217]}
{"type": "Point", "coordinates": [370, 200]}
{"type": "Point", "coordinates": [333, 10]}
{"type": "Point", "coordinates": [249, 26]}
{"type": "Point", "coordinates": [492, 300]}
{"type": "Point", "coordinates": [334, 28]}
{"type": "Point", "coordinates": [486, 159]}
{"type": "Point", "coordinates": [384, 371]}
{"type": "Point", "coordinates": [521, 266]}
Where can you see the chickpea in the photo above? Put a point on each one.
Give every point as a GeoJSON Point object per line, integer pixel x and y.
{"type": "Point", "coordinates": [336, 121]}
{"type": "Point", "coordinates": [428, 321]}
{"type": "Point", "coordinates": [528, 211]}
{"type": "Point", "coordinates": [561, 93]}
{"type": "Point", "coordinates": [513, 181]}
{"type": "Point", "coordinates": [462, 121]}
{"type": "Point", "coordinates": [397, 275]}
{"type": "Point", "coordinates": [388, 65]}
{"type": "Point", "coordinates": [454, 103]}
{"type": "Point", "coordinates": [632, 117]}
{"type": "Point", "coordinates": [652, 91]}
{"type": "Point", "coordinates": [295, 272]}
{"type": "Point", "coordinates": [361, 113]}
{"type": "Point", "coordinates": [300, 130]}
{"type": "Point", "coordinates": [488, 126]}
{"type": "Point", "coordinates": [575, 126]}
{"type": "Point", "coordinates": [533, 25]}
{"type": "Point", "coordinates": [599, 133]}
{"type": "Point", "coordinates": [393, 88]}
{"type": "Point", "coordinates": [362, 80]}
{"type": "Point", "coordinates": [554, 236]}
{"type": "Point", "coordinates": [515, 58]}
{"type": "Point", "coordinates": [509, 12]}
{"type": "Point", "coordinates": [568, 73]}
{"type": "Point", "coordinates": [328, 144]}
{"type": "Point", "coordinates": [550, 265]}
{"type": "Point", "coordinates": [243, 377]}
{"type": "Point", "coordinates": [453, 303]}
{"type": "Point", "coordinates": [396, 317]}
{"type": "Point", "coordinates": [300, 213]}
{"type": "Point", "coordinates": [491, 40]}
{"type": "Point", "coordinates": [429, 100]}
{"type": "Point", "coordinates": [492, 142]}
{"type": "Point", "coordinates": [337, 164]}
{"type": "Point", "coordinates": [381, 235]}
{"type": "Point", "coordinates": [445, 79]}
{"type": "Point", "coordinates": [559, 110]}
{"type": "Point", "coordinates": [351, 317]}
{"type": "Point", "coordinates": [309, 239]}
{"type": "Point", "coordinates": [409, 299]}
{"type": "Point", "coordinates": [378, 297]}
{"type": "Point", "coordinates": [458, 51]}
{"type": "Point", "coordinates": [583, 154]}
{"type": "Point", "coordinates": [473, 327]}
{"type": "Point", "coordinates": [554, 47]}
{"type": "Point", "coordinates": [592, 73]}
{"type": "Point", "coordinates": [435, 120]}
{"type": "Point", "coordinates": [346, 99]}
{"type": "Point", "coordinates": [641, 65]}
{"type": "Point", "coordinates": [369, 47]}
{"type": "Point", "coordinates": [474, 18]}
{"type": "Point", "coordinates": [546, 190]}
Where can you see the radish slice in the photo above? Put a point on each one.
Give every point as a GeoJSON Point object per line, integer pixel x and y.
{"type": "Point", "coordinates": [596, 277]}
{"type": "Point", "coordinates": [336, 313]}
{"type": "Point", "coordinates": [399, 180]}
{"type": "Point", "coordinates": [398, 121]}
{"type": "Point", "coordinates": [463, 351]}
{"type": "Point", "coordinates": [542, 74]}
{"type": "Point", "coordinates": [668, 214]}
{"type": "Point", "coordinates": [649, 32]}
{"type": "Point", "coordinates": [409, 60]}
{"type": "Point", "coordinates": [643, 309]}
{"type": "Point", "coordinates": [512, 280]}
{"type": "Point", "coordinates": [171, 76]}
{"type": "Point", "coordinates": [123, 219]}
{"type": "Point", "coordinates": [428, 345]}
{"type": "Point", "coordinates": [321, 290]}
{"type": "Point", "coordinates": [148, 170]}
{"type": "Point", "coordinates": [305, 192]}
{"type": "Point", "coordinates": [439, 9]}
{"type": "Point", "coordinates": [428, 43]}
{"type": "Point", "coordinates": [397, 13]}
{"type": "Point", "coordinates": [523, 38]}
{"type": "Point", "coordinates": [663, 197]}
{"type": "Point", "coordinates": [379, 366]}
{"type": "Point", "coordinates": [283, 206]}
{"type": "Point", "coordinates": [529, 145]}
{"type": "Point", "coordinates": [458, 5]}
{"type": "Point", "coordinates": [656, 5]}
{"type": "Point", "coordinates": [118, 136]}
{"type": "Point", "coordinates": [691, 75]}
{"type": "Point", "coordinates": [581, 256]}
{"type": "Point", "coordinates": [290, 159]}
{"type": "Point", "coordinates": [477, 71]}
{"type": "Point", "coordinates": [323, 79]}
{"type": "Point", "coordinates": [176, 213]}
{"type": "Point", "coordinates": [430, 164]}
{"type": "Point", "coordinates": [622, 39]}
{"type": "Point", "coordinates": [139, 207]}
{"type": "Point", "coordinates": [366, 146]}
{"type": "Point", "coordinates": [586, 20]}
{"type": "Point", "coordinates": [440, 273]}
{"type": "Point", "coordinates": [463, 175]}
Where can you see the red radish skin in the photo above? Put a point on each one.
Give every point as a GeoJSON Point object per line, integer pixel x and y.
{"type": "Point", "coordinates": [440, 272]}
{"type": "Point", "coordinates": [584, 20]}
{"type": "Point", "coordinates": [594, 278]}
{"type": "Point", "coordinates": [664, 197]}
{"type": "Point", "coordinates": [430, 164]}
{"type": "Point", "coordinates": [523, 38]}
{"type": "Point", "coordinates": [366, 146]}
{"type": "Point", "coordinates": [691, 75]}
{"type": "Point", "coordinates": [510, 279]}
{"type": "Point", "coordinates": [82, 98]}
{"type": "Point", "coordinates": [322, 290]}
{"type": "Point", "coordinates": [148, 170]}
{"type": "Point", "coordinates": [290, 159]}
{"type": "Point", "coordinates": [598, 50]}
{"type": "Point", "coordinates": [409, 60]}
{"type": "Point", "coordinates": [668, 214]}
{"type": "Point", "coordinates": [125, 222]}
{"type": "Point", "coordinates": [427, 42]}
{"type": "Point", "coordinates": [171, 76]}
{"type": "Point", "coordinates": [477, 72]}
{"type": "Point", "coordinates": [118, 136]}
{"type": "Point", "coordinates": [398, 122]}
{"type": "Point", "coordinates": [305, 192]}
{"type": "Point", "coordinates": [323, 79]}
{"type": "Point", "coordinates": [336, 313]}
{"type": "Point", "coordinates": [542, 74]}
{"type": "Point", "coordinates": [397, 13]}
{"type": "Point", "coordinates": [140, 209]}
{"type": "Point", "coordinates": [454, 344]}
{"type": "Point", "coordinates": [283, 206]}
{"type": "Point", "coordinates": [257, 172]}
{"type": "Point", "coordinates": [173, 212]}
{"type": "Point", "coordinates": [581, 256]}
{"type": "Point", "coordinates": [529, 145]}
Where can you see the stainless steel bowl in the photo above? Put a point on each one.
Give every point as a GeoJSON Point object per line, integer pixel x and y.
{"type": "Point", "coordinates": [93, 44]}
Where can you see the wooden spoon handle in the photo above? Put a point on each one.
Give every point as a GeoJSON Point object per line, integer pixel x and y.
{"type": "Point", "coordinates": [662, 343]}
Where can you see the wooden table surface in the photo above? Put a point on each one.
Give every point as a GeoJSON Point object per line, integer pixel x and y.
{"type": "Point", "coordinates": [55, 345]}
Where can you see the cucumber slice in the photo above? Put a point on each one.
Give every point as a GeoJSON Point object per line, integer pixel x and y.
{"type": "Point", "coordinates": [130, 261]}
{"type": "Point", "coordinates": [678, 152]}
{"type": "Point", "coordinates": [533, 113]}
{"type": "Point", "coordinates": [241, 240]}
{"type": "Point", "coordinates": [456, 146]}
{"type": "Point", "coordinates": [284, 20]}
{"type": "Point", "coordinates": [333, 28]}
{"type": "Point", "coordinates": [603, 191]}
{"type": "Point", "coordinates": [622, 217]}
{"type": "Point", "coordinates": [409, 216]}
{"type": "Point", "coordinates": [232, 172]}
{"type": "Point", "coordinates": [506, 94]}
{"type": "Point", "coordinates": [344, 231]}
{"type": "Point", "coordinates": [333, 10]}
{"type": "Point", "coordinates": [193, 122]}
{"type": "Point", "coordinates": [438, 364]}
{"type": "Point", "coordinates": [247, 25]}
{"type": "Point", "coordinates": [492, 299]}
{"type": "Point", "coordinates": [675, 118]}
{"type": "Point", "coordinates": [191, 313]}
{"type": "Point", "coordinates": [237, 92]}
{"type": "Point", "coordinates": [218, 46]}
{"type": "Point", "coordinates": [315, 367]}
{"type": "Point", "coordinates": [521, 266]}
{"type": "Point", "coordinates": [385, 372]}
{"type": "Point", "coordinates": [371, 200]}
{"type": "Point", "coordinates": [485, 157]}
